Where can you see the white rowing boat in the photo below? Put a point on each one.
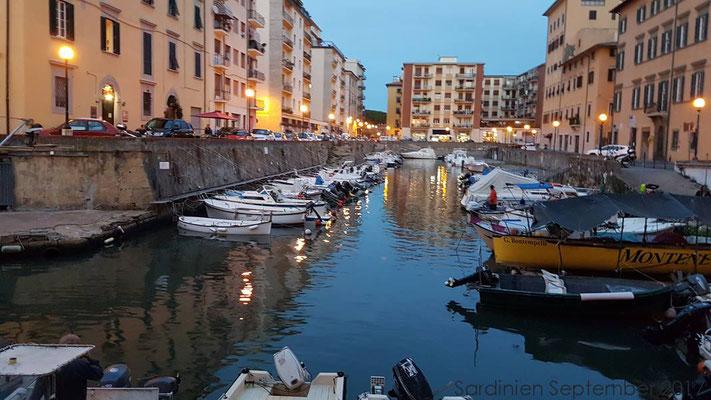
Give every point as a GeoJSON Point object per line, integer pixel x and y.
{"type": "Point", "coordinates": [225, 226]}
{"type": "Point", "coordinates": [220, 209]}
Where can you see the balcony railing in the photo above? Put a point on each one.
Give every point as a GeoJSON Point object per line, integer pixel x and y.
{"type": "Point", "coordinates": [421, 99]}
{"type": "Point", "coordinates": [287, 110]}
{"type": "Point", "coordinates": [222, 24]}
{"type": "Point", "coordinates": [288, 88]}
{"type": "Point", "coordinates": [655, 109]}
{"type": "Point", "coordinates": [307, 75]}
{"type": "Point", "coordinates": [465, 88]}
{"type": "Point", "coordinates": [258, 75]}
{"type": "Point", "coordinates": [307, 37]}
{"type": "Point", "coordinates": [307, 55]}
{"type": "Point", "coordinates": [222, 95]}
{"type": "Point", "coordinates": [422, 125]}
{"type": "Point", "coordinates": [463, 112]}
{"type": "Point", "coordinates": [420, 75]}
{"type": "Point", "coordinates": [254, 46]}
{"type": "Point", "coordinates": [463, 125]}
{"type": "Point", "coordinates": [424, 88]}
{"type": "Point", "coordinates": [256, 18]}
{"type": "Point", "coordinates": [467, 100]}
{"type": "Point", "coordinates": [288, 18]}
{"type": "Point", "coordinates": [574, 121]}
{"type": "Point", "coordinates": [220, 60]}
{"type": "Point", "coordinates": [307, 95]}
{"type": "Point", "coordinates": [421, 112]}
{"type": "Point", "coordinates": [467, 75]}
{"type": "Point", "coordinates": [288, 64]}
{"type": "Point", "coordinates": [287, 41]}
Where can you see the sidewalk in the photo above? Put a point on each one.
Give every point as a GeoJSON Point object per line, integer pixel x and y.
{"type": "Point", "coordinates": [669, 181]}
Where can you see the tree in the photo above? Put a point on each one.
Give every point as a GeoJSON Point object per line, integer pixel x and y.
{"type": "Point", "coordinates": [375, 116]}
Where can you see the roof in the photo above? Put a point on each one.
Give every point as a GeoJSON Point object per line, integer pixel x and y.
{"type": "Point", "coordinates": [591, 49]}
{"type": "Point", "coordinates": [442, 63]}
{"type": "Point", "coordinates": [38, 359]}
{"type": "Point", "coordinates": [622, 5]}
{"type": "Point", "coordinates": [394, 84]}
{"type": "Point", "coordinates": [554, 5]}
{"type": "Point", "coordinates": [330, 45]}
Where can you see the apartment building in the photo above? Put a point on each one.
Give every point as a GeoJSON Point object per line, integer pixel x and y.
{"type": "Point", "coordinates": [288, 38]}
{"type": "Point", "coordinates": [329, 87]}
{"type": "Point", "coordinates": [355, 106]}
{"type": "Point", "coordinates": [164, 74]}
{"type": "Point", "coordinates": [529, 99]}
{"type": "Point", "coordinates": [661, 68]}
{"type": "Point", "coordinates": [499, 100]}
{"type": "Point", "coordinates": [573, 26]}
{"type": "Point", "coordinates": [234, 54]}
{"type": "Point", "coordinates": [442, 100]}
{"type": "Point", "coordinates": [586, 93]}
{"type": "Point", "coordinates": [394, 111]}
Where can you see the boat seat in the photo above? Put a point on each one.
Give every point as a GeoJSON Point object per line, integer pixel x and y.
{"type": "Point", "coordinates": [554, 284]}
{"type": "Point", "coordinates": [280, 389]}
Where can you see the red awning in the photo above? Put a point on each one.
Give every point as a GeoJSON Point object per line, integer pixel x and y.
{"type": "Point", "coordinates": [215, 115]}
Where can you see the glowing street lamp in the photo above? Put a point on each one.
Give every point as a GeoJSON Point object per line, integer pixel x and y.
{"type": "Point", "coordinates": [556, 125]}
{"type": "Point", "coordinates": [509, 130]}
{"type": "Point", "coordinates": [602, 118]}
{"type": "Point", "coordinates": [66, 53]}
{"type": "Point", "coordinates": [331, 117]}
{"type": "Point", "coordinates": [303, 110]}
{"type": "Point", "coordinates": [250, 93]}
{"type": "Point", "coordinates": [699, 104]}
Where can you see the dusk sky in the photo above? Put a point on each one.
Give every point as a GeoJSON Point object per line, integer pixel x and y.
{"type": "Point", "coordinates": [508, 35]}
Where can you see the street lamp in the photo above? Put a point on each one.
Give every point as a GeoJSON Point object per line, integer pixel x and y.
{"type": "Point", "coordinates": [602, 118]}
{"type": "Point", "coordinates": [556, 125]}
{"type": "Point", "coordinates": [509, 130]}
{"type": "Point", "coordinates": [66, 53]}
{"type": "Point", "coordinates": [303, 110]}
{"type": "Point", "coordinates": [331, 117]}
{"type": "Point", "coordinates": [699, 104]}
{"type": "Point", "coordinates": [250, 93]}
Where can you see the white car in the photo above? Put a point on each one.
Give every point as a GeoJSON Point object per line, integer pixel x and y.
{"type": "Point", "coordinates": [263, 134]}
{"type": "Point", "coordinates": [610, 151]}
{"type": "Point", "coordinates": [529, 147]}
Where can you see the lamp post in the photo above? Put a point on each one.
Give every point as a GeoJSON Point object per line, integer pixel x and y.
{"type": "Point", "coordinates": [303, 110]}
{"type": "Point", "coordinates": [349, 120]}
{"type": "Point", "coordinates": [526, 128]}
{"type": "Point", "coordinates": [509, 130]}
{"type": "Point", "coordinates": [331, 117]}
{"type": "Point", "coordinates": [556, 125]}
{"type": "Point", "coordinates": [602, 118]}
{"type": "Point", "coordinates": [250, 93]}
{"type": "Point", "coordinates": [387, 130]}
{"type": "Point", "coordinates": [66, 53]}
{"type": "Point", "coordinates": [699, 104]}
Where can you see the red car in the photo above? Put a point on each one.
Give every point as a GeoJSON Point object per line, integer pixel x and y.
{"type": "Point", "coordinates": [235, 134]}
{"type": "Point", "coordinates": [84, 127]}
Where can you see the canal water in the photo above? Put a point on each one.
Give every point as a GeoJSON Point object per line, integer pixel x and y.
{"type": "Point", "coordinates": [357, 297]}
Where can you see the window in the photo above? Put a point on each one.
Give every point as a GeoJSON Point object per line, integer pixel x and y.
{"type": "Point", "coordinates": [641, 14]}
{"type": "Point", "coordinates": [639, 53]}
{"type": "Point", "coordinates": [60, 90]}
{"type": "Point", "coordinates": [682, 32]}
{"type": "Point", "coordinates": [592, 14]}
{"type": "Point", "coordinates": [611, 75]}
{"type": "Point", "coordinates": [675, 139]}
{"type": "Point", "coordinates": [678, 89]}
{"type": "Point", "coordinates": [652, 48]}
{"type": "Point", "coordinates": [95, 126]}
{"type": "Point", "coordinates": [61, 19]}
{"type": "Point", "coordinates": [173, 56]}
{"type": "Point", "coordinates": [198, 64]}
{"type": "Point", "coordinates": [110, 36]}
{"type": "Point", "coordinates": [702, 28]}
{"type": "Point", "coordinates": [618, 101]}
{"type": "Point", "coordinates": [620, 61]}
{"type": "Point", "coordinates": [648, 94]}
{"type": "Point", "coordinates": [667, 42]}
{"type": "Point", "coordinates": [173, 8]}
{"type": "Point", "coordinates": [623, 25]}
{"type": "Point", "coordinates": [147, 108]}
{"type": "Point", "coordinates": [579, 82]}
{"type": "Point", "coordinates": [147, 54]}
{"type": "Point", "coordinates": [591, 77]}
{"type": "Point", "coordinates": [697, 84]}
{"type": "Point", "coordinates": [198, 17]}
{"type": "Point", "coordinates": [663, 98]}
{"type": "Point", "coordinates": [668, 3]}
{"type": "Point", "coordinates": [635, 98]}
{"type": "Point", "coordinates": [654, 8]}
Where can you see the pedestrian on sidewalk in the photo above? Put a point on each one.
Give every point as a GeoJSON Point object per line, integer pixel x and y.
{"type": "Point", "coordinates": [208, 131]}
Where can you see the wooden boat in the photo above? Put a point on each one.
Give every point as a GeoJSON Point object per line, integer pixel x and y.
{"type": "Point", "coordinates": [227, 210]}
{"type": "Point", "coordinates": [225, 227]}
{"type": "Point", "coordinates": [553, 294]}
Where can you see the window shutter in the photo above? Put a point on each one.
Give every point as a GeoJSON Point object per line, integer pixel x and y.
{"type": "Point", "coordinates": [103, 33]}
{"type": "Point", "coordinates": [697, 37]}
{"type": "Point", "coordinates": [147, 54]}
{"type": "Point", "coordinates": [117, 37]}
{"type": "Point", "coordinates": [700, 92]}
{"type": "Point", "coordinates": [70, 21]}
{"type": "Point", "coordinates": [53, 17]}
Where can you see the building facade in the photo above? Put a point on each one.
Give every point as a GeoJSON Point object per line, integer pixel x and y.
{"type": "Point", "coordinates": [529, 99]}
{"type": "Point", "coordinates": [573, 26]}
{"type": "Point", "coordinates": [394, 111]}
{"type": "Point", "coordinates": [499, 100]}
{"type": "Point", "coordinates": [356, 86]}
{"type": "Point", "coordinates": [442, 100]}
{"type": "Point", "coordinates": [329, 87]}
{"type": "Point", "coordinates": [165, 74]}
{"type": "Point", "coordinates": [662, 65]}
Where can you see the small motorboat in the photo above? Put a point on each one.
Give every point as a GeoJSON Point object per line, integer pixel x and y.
{"type": "Point", "coordinates": [474, 165]}
{"type": "Point", "coordinates": [225, 226]}
{"type": "Point", "coordinates": [456, 158]}
{"type": "Point", "coordinates": [575, 295]}
{"type": "Point", "coordinates": [423, 154]}
{"type": "Point", "coordinates": [272, 199]}
{"type": "Point", "coordinates": [293, 382]}
{"type": "Point", "coordinates": [219, 209]}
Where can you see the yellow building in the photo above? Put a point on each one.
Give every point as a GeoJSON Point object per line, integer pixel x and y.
{"type": "Point", "coordinates": [662, 63]}
{"type": "Point", "coordinates": [133, 60]}
{"type": "Point", "coordinates": [394, 107]}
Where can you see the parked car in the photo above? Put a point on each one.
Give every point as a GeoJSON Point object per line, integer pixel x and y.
{"type": "Point", "coordinates": [163, 127]}
{"type": "Point", "coordinates": [289, 136]}
{"type": "Point", "coordinates": [303, 136]}
{"type": "Point", "coordinates": [263, 134]}
{"type": "Point", "coordinates": [610, 151]}
{"type": "Point", "coordinates": [311, 136]}
{"type": "Point", "coordinates": [529, 147]}
{"type": "Point", "coordinates": [235, 134]}
{"type": "Point", "coordinates": [278, 136]}
{"type": "Point", "coordinates": [84, 127]}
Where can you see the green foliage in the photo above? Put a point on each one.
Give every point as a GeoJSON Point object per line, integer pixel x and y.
{"type": "Point", "coordinates": [375, 116]}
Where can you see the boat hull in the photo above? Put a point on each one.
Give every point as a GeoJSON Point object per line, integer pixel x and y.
{"type": "Point", "coordinates": [224, 226]}
{"type": "Point", "coordinates": [533, 252]}
{"type": "Point", "coordinates": [296, 217]}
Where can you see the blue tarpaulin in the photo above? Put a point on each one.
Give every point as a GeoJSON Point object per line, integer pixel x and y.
{"type": "Point", "coordinates": [529, 186]}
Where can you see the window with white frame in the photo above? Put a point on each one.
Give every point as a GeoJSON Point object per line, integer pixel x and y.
{"type": "Point", "coordinates": [678, 89]}
{"type": "Point", "coordinates": [618, 101]}
{"type": "Point", "coordinates": [639, 53]}
{"type": "Point", "coordinates": [697, 84]}
{"type": "Point", "coordinates": [682, 32]}
{"type": "Point", "coordinates": [649, 94]}
{"type": "Point", "coordinates": [641, 14]}
{"type": "Point", "coordinates": [667, 42]}
{"type": "Point", "coordinates": [61, 19]}
{"type": "Point", "coordinates": [652, 48]}
{"type": "Point", "coordinates": [635, 98]}
{"type": "Point", "coordinates": [702, 28]}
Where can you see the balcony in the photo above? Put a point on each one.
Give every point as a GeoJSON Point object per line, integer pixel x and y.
{"type": "Point", "coordinates": [334, 78]}
{"type": "Point", "coordinates": [307, 76]}
{"type": "Point", "coordinates": [467, 75]}
{"type": "Point", "coordinates": [463, 112]}
{"type": "Point", "coordinates": [220, 62]}
{"type": "Point", "coordinates": [287, 42]}
{"type": "Point", "coordinates": [656, 110]}
{"type": "Point", "coordinates": [421, 112]}
{"type": "Point", "coordinates": [287, 110]}
{"type": "Point", "coordinates": [288, 88]}
{"type": "Point", "coordinates": [574, 122]}
{"type": "Point", "coordinates": [421, 125]}
{"type": "Point", "coordinates": [307, 38]}
{"type": "Point", "coordinates": [463, 125]}
{"type": "Point", "coordinates": [222, 25]}
{"type": "Point", "coordinates": [465, 88]}
{"type": "Point", "coordinates": [256, 75]}
{"type": "Point", "coordinates": [421, 99]}
{"type": "Point", "coordinates": [222, 95]}
{"type": "Point", "coordinates": [334, 93]}
{"type": "Point", "coordinates": [307, 95]}
{"type": "Point", "coordinates": [256, 20]}
{"type": "Point", "coordinates": [467, 100]}
{"type": "Point", "coordinates": [423, 88]}
{"type": "Point", "coordinates": [420, 75]}
{"type": "Point", "coordinates": [255, 49]}
{"type": "Point", "coordinates": [307, 55]}
{"type": "Point", "coordinates": [288, 65]}
{"type": "Point", "coordinates": [288, 20]}
{"type": "Point", "coordinates": [343, 97]}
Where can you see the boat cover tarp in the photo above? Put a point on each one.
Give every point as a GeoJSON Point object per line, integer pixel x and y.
{"type": "Point", "coordinates": [531, 186]}
{"type": "Point", "coordinates": [500, 179]}
{"type": "Point", "coordinates": [588, 212]}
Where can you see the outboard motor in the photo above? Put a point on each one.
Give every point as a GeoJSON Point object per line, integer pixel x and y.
{"type": "Point", "coordinates": [482, 277]}
{"type": "Point", "coordinates": [410, 382]}
{"type": "Point", "coordinates": [693, 319]}
{"type": "Point", "coordinates": [293, 374]}
{"type": "Point", "coordinates": [116, 376]}
{"type": "Point", "coordinates": [699, 284]}
{"type": "Point", "coordinates": [167, 386]}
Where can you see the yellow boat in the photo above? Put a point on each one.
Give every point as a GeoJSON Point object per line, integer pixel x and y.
{"type": "Point", "coordinates": [576, 254]}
